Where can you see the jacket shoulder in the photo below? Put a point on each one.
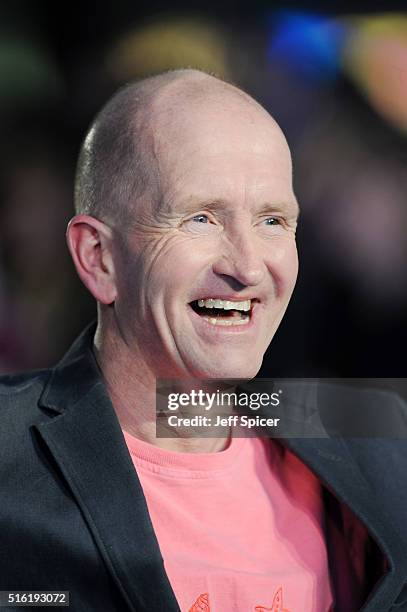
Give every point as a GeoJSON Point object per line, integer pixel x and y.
{"type": "Point", "coordinates": [15, 388]}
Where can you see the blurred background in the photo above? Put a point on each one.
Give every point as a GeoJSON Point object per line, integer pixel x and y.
{"type": "Point", "coordinates": [335, 78]}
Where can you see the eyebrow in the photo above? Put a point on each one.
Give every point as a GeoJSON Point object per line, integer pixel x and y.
{"type": "Point", "coordinates": [193, 204]}
{"type": "Point", "coordinates": [291, 206]}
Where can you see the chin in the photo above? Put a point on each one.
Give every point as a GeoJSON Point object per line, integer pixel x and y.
{"type": "Point", "coordinates": [231, 369]}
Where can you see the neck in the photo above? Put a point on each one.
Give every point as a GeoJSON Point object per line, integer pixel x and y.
{"type": "Point", "coordinates": [131, 385]}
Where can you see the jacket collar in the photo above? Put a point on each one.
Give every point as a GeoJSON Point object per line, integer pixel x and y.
{"type": "Point", "coordinates": [75, 376]}
{"type": "Point", "coordinates": [87, 443]}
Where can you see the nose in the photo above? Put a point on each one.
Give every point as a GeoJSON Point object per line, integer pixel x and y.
{"type": "Point", "coordinates": [241, 259]}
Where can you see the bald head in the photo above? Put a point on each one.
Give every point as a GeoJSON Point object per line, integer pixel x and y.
{"type": "Point", "coordinates": [118, 159]}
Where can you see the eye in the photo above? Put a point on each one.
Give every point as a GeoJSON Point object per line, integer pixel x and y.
{"type": "Point", "coordinates": [201, 224]}
{"type": "Point", "coordinates": [270, 227]}
{"type": "Point", "coordinates": [200, 219]}
{"type": "Point", "coordinates": [272, 221]}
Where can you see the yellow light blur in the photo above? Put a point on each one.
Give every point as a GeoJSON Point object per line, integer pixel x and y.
{"type": "Point", "coordinates": [169, 44]}
{"type": "Point", "coordinates": [375, 58]}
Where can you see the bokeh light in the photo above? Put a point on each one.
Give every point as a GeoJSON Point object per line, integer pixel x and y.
{"type": "Point", "coordinates": [167, 44]}
{"type": "Point", "coordinates": [375, 58]}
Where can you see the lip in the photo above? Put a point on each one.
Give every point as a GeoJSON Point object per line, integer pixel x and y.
{"type": "Point", "coordinates": [229, 298]}
{"type": "Point", "coordinates": [221, 330]}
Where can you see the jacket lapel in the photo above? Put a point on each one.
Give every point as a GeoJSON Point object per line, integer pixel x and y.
{"type": "Point", "coordinates": [331, 460]}
{"type": "Point", "coordinates": [86, 442]}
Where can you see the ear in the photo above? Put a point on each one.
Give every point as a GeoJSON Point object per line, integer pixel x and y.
{"type": "Point", "coordinates": [90, 244]}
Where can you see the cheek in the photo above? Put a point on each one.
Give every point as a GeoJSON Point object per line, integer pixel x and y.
{"type": "Point", "coordinates": [131, 282]}
{"type": "Point", "coordinates": [282, 263]}
{"type": "Point", "coordinates": [174, 267]}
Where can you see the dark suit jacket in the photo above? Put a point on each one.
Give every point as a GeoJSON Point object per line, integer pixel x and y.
{"type": "Point", "coordinates": [73, 515]}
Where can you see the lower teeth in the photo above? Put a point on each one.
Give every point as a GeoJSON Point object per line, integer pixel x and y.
{"type": "Point", "coordinates": [243, 321]}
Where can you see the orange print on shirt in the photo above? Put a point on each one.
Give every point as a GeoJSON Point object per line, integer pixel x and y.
{"type": "Point", "coordinates": [201, 604]}
{"type": "Point", "coordinates": [276, 606]}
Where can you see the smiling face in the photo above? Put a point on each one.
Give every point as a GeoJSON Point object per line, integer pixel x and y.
{"type": "Point", "coordinates": [206, 271]}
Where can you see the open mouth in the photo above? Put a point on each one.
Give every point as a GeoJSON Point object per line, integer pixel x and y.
{"type": "Point", "coordinates": [224, 312]}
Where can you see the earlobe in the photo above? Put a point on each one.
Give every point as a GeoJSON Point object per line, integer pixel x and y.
{"type": "Point", "coordinates": [89, 242]}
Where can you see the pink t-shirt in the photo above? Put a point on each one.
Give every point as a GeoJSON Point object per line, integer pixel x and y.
{"type": "Point", "coordinates": [239, 530]}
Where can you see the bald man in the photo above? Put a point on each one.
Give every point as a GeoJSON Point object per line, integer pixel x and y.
{"type": "Point", "coordinates": [185, 236]}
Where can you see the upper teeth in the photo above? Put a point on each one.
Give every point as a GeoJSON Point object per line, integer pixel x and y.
{"type": "Point", "coordinates": [225, 304]}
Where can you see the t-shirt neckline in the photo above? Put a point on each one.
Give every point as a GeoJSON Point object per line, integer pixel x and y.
{"type": "Point", "coordinates": [155, 458]}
